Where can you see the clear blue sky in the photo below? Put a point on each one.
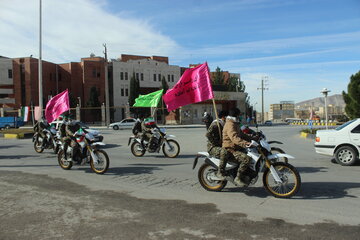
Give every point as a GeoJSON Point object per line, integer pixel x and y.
{"type": "Point", "coordinates": [301, 46]}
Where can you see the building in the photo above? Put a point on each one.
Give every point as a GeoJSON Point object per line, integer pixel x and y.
{"type": "Point", "coordinates": [281, 111]}
{"type": "Point", "coordinates": [148, 70]}
{"type": "Point", "coordinates": [7, 97]}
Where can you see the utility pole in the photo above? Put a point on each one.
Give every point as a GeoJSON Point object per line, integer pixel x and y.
{"type": "Point", "coordinates": [40, 63]}
{"type": "Point", "coordinates": [107, 102]}
{"type": "Point", "coordinates": [262, 88]}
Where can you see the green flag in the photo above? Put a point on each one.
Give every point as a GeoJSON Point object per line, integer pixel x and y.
{"type": "Point", "coordinates": [149, 100]}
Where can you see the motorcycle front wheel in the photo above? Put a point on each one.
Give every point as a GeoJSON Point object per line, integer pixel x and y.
{"type": "Point", "coordinates": [37, 146]}
{"type": "Point", "coordinates": [289, 176]}
{"type": "Point", "coordinates": [102, 164]}
{"type": "Point", "coordinates": [172, 149]}
{"type": "Point", "coordinates": [137, 150]}
{"type": "Point", "coordinates": [64, 164]}
{"type": "Point", "coordinates": [204, 176]}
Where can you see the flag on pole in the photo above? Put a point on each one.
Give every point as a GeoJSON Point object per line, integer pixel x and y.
{"type": "Point", "coordinates": [37, 113]}
{"type": "Point", "coordinates": [149, 100]}
{"type": "Point", "coordinates": [194, 86]}
{"type": "Point", "coordinates": [57, 105]}
{"type": "Point", "coordinates": [25, 113]}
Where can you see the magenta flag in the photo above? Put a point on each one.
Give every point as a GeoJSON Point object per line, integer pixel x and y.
{"type": "Point", "coordinates": [56, 106]}
{"type": "Point", "coordinates": [194, 86]}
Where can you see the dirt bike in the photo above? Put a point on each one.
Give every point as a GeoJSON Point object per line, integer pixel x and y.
{"type": "Point", "coordinates": [51, 141]}
{"type": "Point", "coordinates": [87, 153]}
{"type": "Point", "coordinates": [280, 179]}
{"type": "Point", "coordinates": [160, 139]}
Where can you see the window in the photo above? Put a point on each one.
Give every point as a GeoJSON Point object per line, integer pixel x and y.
{"type": "Point", "coordinates": [172, 78]}
{"type": "Point", "coordinates": [10, 73]}
{"type": "Point", "coordinates": [126, 76]}
{"type": "Point", "coordinates": [121, 76]}
{"type": "Point", "coordinates": [94, 72]}
{"type": "Point", "coordinates": [168, 78]}
{"type": "Point", "coordinates": [142, 77]}
{"type": "Point", "coordinates": [126, 92]}
{"type": "Point", "coordinates": [154, 77]}
{"type": "Point", "coordinates": [356, 129]}
{"type": "Point", "coordinates": [137, 76]}
{"type": "Point", "coordinates": [122, 92]}
{"type": "Point", "coordinates": [159, 77]}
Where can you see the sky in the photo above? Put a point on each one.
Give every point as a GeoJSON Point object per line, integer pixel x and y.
{"type": "Point", "coordinates": [298, 47]}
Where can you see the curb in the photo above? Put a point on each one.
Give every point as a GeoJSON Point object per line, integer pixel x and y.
{"type": "Point", "coordinates": [307, 135]}
{"type": "Point", "coordinates": [16, 135]}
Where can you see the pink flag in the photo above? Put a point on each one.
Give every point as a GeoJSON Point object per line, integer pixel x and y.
{"type": "Point", "coordinates": [194, 86]}
{"type": "Point", "coordinates": [57, 105]}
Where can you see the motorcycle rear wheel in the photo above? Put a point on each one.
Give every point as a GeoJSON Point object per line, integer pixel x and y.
{"type": "Point", "coordinates": [103, 162]}
{"type": "Point", "coordinates": [205, 181]}
{"type": "Point", "coordinates": [66, 165]}
{"type": "Point", "coordinates": [290, 177]}
{"type": "Point", "coordinates": [137, 150]}
{"type": "Point", "coordinates": [174, 151]}
{"type": "Point", "coordinates": [37, 146]}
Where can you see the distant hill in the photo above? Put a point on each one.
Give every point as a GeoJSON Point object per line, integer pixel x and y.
{"type": "Point", "coordinates": [335, 100]}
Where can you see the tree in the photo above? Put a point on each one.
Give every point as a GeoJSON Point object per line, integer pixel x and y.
{"type": "Point", "coordinates": [134, 89]}
{"type": "Point", "coordinates": [352, 98]}
{"type": "Point", "coordinates": [134, 93]}
{"type": "Point", "coordinates": [235, 85]}
{"type": "Point", "coordinates": [218, 76]}
{"type": "Point", "coordinates": [161, 105]}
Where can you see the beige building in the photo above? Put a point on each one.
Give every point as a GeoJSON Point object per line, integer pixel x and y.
{"type": "Point", "coordinates": [281, 111]}
{"type": "Point", "coordinates": [7, 98]}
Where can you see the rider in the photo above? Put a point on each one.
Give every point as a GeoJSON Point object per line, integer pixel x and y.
{"type": "Point", "coordinates": [70, 129]}
{"type": "Point", "coordinates": [39, 128]}
{"type": "Point", "coordinates": [214, 143]}
{"type": "Point", "coordinates": [235, 142]}
{"type": "Point", "coordinates": [146, 126]}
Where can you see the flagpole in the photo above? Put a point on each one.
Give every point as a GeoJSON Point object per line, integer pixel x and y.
{"type": "Point", "coordinates": [217, 118]}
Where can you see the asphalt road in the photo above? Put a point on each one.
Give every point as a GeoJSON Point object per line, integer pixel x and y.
{"type": "Point", "coordinates": [154, 197]}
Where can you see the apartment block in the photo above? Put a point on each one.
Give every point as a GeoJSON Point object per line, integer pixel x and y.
{"type": "Point", "coordinates": [7, 98]}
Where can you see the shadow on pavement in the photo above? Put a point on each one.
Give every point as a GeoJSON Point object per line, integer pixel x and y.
{"type": "Point", "coordinates": [17, 156]}
{"type": "Point", "coordinates": [312, 169]}
{"type": "Point", "coordinates": [125, 171]}
{"type": "Point", "coordinates": [156, 164]}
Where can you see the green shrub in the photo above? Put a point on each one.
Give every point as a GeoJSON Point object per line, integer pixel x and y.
{"type": "Point", "coordinates": [308, 130]}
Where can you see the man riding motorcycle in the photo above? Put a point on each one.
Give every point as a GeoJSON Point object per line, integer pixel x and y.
{"type": "Point", "coordinates": [235, 141]}
{"type": "Point", "coordinates": [39, 128]}
{"type": "Point", "coordinates": [71, 128]}
{"type": "Point", "coordinates": [214, 148]}
{"type": "Point", "coordinates": [146, 126]}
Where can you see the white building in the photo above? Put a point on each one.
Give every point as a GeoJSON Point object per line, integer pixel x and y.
{"type": "Point", "coordinates": [6, 82]}
{"type": "Point", "coordinates": [148, 70]}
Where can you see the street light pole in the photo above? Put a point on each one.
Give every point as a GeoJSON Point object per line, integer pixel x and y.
{"type": "Point", "coordinates": [325, 91]}
{"type": "Point", "coordinates": [40, 64]}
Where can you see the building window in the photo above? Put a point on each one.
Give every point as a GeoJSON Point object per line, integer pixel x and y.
{"type": "Point", "coordinates": [126, 76]}
{"type": "Point", "coordinates": [159, 77]}
{"type": "Point", "coordinates": [154, 77]}
{"type": "Point", "coordinates": [94, 72]}
{"type": "Point", "coordinates": [137, 76]}
{"type": "Point", "coordinates": [121, 76]}
{"type": "Point", "coordinates": [172, 78]}
{"type": "Point", "coordinates": [10, 73]}
{"type": "Point", "coordinates": [126, 92]}
{"type": "Point", "coordinates": [142, 77]}
{"type": "Point", "coordinates": [122, 91]}
{"type": "Point", "coordinates": [168, 78]}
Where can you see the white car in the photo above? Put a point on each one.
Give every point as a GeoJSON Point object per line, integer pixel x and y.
{"type": "Point", "coordinates": [342, 142]}
{"type": "Point", "coordinates": [97, 135]}
{"type": "Point", "coordinates": [125, 123]}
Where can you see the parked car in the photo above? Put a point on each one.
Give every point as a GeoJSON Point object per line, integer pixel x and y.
{"type": "Point", "coordinates": [268, 123]}
{"type": "Point", "coordinates": [123, 124]}
{"type": "Point", "coordinates": [342, 142]}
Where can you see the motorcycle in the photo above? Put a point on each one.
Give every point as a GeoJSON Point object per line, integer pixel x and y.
{"type": "Point", "coordinates": [170, 147]}
{"type": "Point", "coordinates": [87, 153]}
{"type": "Point", "coordinates": [51, 140]}
{"type": "Point", "coordinates": [280, 179]}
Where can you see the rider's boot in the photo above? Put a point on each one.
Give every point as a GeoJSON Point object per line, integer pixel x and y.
{"type": "Point", "coordinates": [220, 174]}
{"type": "Point", "coordinates": [239, 182]}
